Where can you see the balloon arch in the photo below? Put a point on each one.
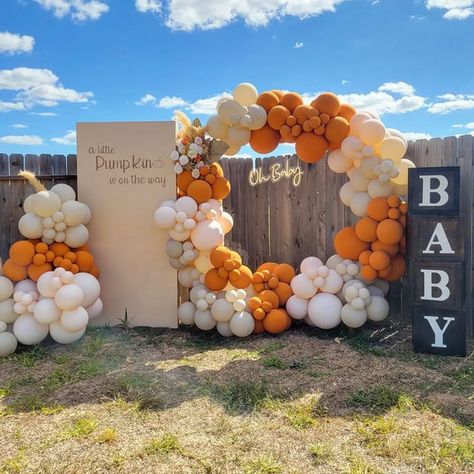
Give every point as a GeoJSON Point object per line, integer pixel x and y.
{"type": "Point", "coordinates": [350, 286]}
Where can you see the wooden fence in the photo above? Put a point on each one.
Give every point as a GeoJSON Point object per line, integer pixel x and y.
{"type": "Point", "coordinates": [272, 221]}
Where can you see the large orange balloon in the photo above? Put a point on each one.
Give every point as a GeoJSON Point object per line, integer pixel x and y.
{"type": "Point", "coordinates": [264, 140]}
{"type": "Point", "coordinates": [348, 245]}
{"type": "Point", "coordinates": [200, 191]}
{"type": "Point", "coordinates": [276, 321]}
{"type": "Point", "coordinates": [291, 100]}
{"type": "Point", "coordinates": [285, 272]}
{"type": "Point", "coordinates": [35, 271]}
{"type": "Point", "coordinates": [398, 268]}
{"type": "Point", "coordinates": [327, 103]}
{"type": "Point", "coordinates": [220, 188]}
{"type": "Point", "coordinates": [277, 116]}
{"type": "Point", "coordinates": [366, 229]}
{"type": "Point", "coordinates": [378, 208]}
{"type": "Point", "coordinates": [337, 129]}
{"type": "Point", "coordinates": [310, 147]}
{"type": "Point", "coordinates": [214, 281]}
{"type": "Point", "coordinates": [22, 252]}
{"type": "Point", "coordinates": [389, 232]}
{"type": "Point", "coordinates": [183, 180]}
{"type": "Point", "coordinates": [268, 100]}
{"type": "Point", "coordinates": [13, 271]}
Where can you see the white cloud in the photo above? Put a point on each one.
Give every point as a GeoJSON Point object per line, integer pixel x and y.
{"type": "Point", "coordinates": [390, 97]}
{"type": "Point", "coordinates": [344, 81]}
{"type": "Point", "coordinates": [80, 10]}
{"type": "Point", "coordinates": [240, 155]}
{"type": "Point", "coordinates": [69, 138]}
{"type": "Point", "coordinates": [22, 140]}
{"type": "Point", "coordinates": [12, 43]}
{"type": "Point", "coordinates": [454, 9]}
{"type": "Point", "coordinates": [45, 114]}
{"type": "Point", "coordinates": [188, 15]}
{"type": "Point", "coordinates": [146, 99]}
{"type": "Point", "coordinates": [469, 125]}
{"type": "Point", "coordinates": [37, 86]}
{"type": "Point", "coordinates": [450, 102]}
{"type": "Point", "coordinates": [417, 136]}
{"type": "Point", "coordinates": [19, 125]}
{"type": "Point", "coordinates": [172, 102]}
{"type": "Point", "coordinates": [145, 6]}
{"type": "Point", "coordinates": [206, 106]}
{"type": "Point", "coordinates": [298, 44]}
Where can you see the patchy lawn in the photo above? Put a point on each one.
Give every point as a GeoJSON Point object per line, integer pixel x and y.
{"type": "Point", "coordinates": [184, 401]}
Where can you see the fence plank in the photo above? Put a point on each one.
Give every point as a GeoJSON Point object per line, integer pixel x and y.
{"type": "Point", "coordinates": [4, 206]}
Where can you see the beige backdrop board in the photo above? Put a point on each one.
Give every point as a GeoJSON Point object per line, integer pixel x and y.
{"type": "Point", "coordinates": [124, 173]}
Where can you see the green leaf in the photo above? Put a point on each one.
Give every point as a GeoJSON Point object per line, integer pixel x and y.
{"type": "Point", "coordinates": [197, 123]}
{"type": "Point", "coordinates": [216, 149]}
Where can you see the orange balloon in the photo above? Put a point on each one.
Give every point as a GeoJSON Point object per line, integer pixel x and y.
{"type": "Point", "coordinates": [403, 207]}
{"type": "Point", "coordinates": [389, 232]}
{"type": "Point", "coordinates": [398, 268]}
{"type": "Point", "coordinates": [268, 100]}
{"type": "Point", "coordinates": [264, 140]}
{"type": "Point", "coordinates": [216, 170]}
{"type": "Point", "coordinates": [241, 278]}
{"type": "Point", "coordinates": [269, 296]}
{"type": "Point", "coordinates": [276, 321]}
{"type": "Point", "coordinates": [84, 260]}
{"type": "Point", "coordinates": [259, 314]}
{"type": "Point", "coordinates": [220, 188]}
{"type": "Point", "coordinates": [291, 100]}
{"type": "Point", "coordinates": [22, 252]}
{"type": "Point", "coordinates": [278, 93]}
{"type": "Point", "coordinates": [284, 292]}
{"type": "Point", "coordinates": [13, 271]}
{"type": "Point", "coordinates": [270, 266]}
{"type": "Point", "coordinates": [39, 259]}
{"type": "Point", "coordinates": [35, 271]}
{"type": "Point", "coordinates": [368, 272]}
{"type": "Point", "coordinates": [200, 191]}
{"type": "Point", "coordinates": [379, 260]}
{"type": "Point", "coordinates": [74, 268]}
{"type": "Point", "coordinates": [394, 213]}
{"type": "Point", "coordinates": [337, 129]}
{"type": "Point", "coordinates": [213, 280]}
{"type": "Point", "coordinates": [259, 328]}
{"type": "Point", "coordinates": [183, 180]}
{"type": "Point", "coordinates": [219, 255]}
{"type": "Point", "coordinates": [392, 250]}
{"type": "Point", "coordinates": [59, 249]}
{"type": "Point", "coordinates": [378, 208]}
{"type": "Point", "coordinates": [366, 229]}
{"type": "Point", "coordinates": [393, 200]}
{"type": "Point", "coordinates": [277, 116]}
{"type": "Point", "coordinates": [285, 272]}
{"type": "Point", "coordinates": [310, 147]}
{"type": "Point", "coordinates": [301, 113]}
{"type": "Point", "coordinates": [254, 303]}
{"type": "Point", "coordinates": [348, 245]}
{"type": "Point", "coordinates": [347, 111]}
{"type": "Point", "coordinates": [41, 247]}
{"type": "Point", "coordinates": [364, 257]}
{"type": "Point", "coordinates": [49, 256]}
{"type": "Point", "coordinates": [327, 103]}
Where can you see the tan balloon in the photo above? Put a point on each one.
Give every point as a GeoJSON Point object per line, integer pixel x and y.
{"type": "Point", "coordinates": [403, 166]}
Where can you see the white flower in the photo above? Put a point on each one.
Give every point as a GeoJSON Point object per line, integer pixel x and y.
{"type": "Point", "coordinates": [178, 169]}
{"type": "Point", "coordinates": [199, 165]}
{"type": "Point", "coordinates": [199, 150]}
{"type": "Point", "coordinates": [174, 155]}
{"type": "Point", "coordinates": [181, 147]}
{"type": "Point", "coordinates": [192, 154]}
{"type": "Point", "coordinates": [198, 140]}
{"type": "Point", "coordinates": [195, 173]}
{"type": "Point", "coordinates": [183, 160]}
{"type": "Point", "coordinates": [193, 147]}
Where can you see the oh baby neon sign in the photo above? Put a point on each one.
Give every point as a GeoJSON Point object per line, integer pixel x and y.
{"type": "Point", "coordinates": [276, 173]}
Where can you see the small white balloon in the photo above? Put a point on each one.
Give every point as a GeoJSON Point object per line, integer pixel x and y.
{"type": "Point", "coordinates": [354, 318]}
{"type": "Point", "coordinates": [95, 309]}
{"type": "Point", "coordinates": [224, 329]}
{"type": "Point", "coordinates": [378, 308]}
{"type": "Point", "coordinates": [8, 344]}
{"type": "Point", "coordinates": [74, 320]}
{"type": "Point", "coordinates": [46, 311]}
{"type": "Point", "coordinates": [204, 320]}
{"type": "Point", "coordinates": [69, 297]}
{"type": "Point", "coordinates": [186, 313]}
{"type": "Point", "coordinates": [297, 307]}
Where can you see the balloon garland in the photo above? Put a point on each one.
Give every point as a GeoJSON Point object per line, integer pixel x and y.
{"type": "Point", "coordinates": [49, 283]}
{"type": "Point", "coordinates": [350, 287]}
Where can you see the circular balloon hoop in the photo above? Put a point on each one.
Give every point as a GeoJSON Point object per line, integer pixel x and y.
{"type": "Point", "coordinates": [350, 286]}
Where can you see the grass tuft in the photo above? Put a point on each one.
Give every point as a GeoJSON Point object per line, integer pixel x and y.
{"type": "Point", "coordinates": [320, 453]}
{"type": "Point", "coordinates": [379, 398]}
{"type": "Point", "coordinates": [82, 427]}
{"type": "Point", "coordinates": [108, 435]}
{"type": "Point", "coordinates": [263, 465]}
{"type": "Point", "coordinates": [274, 362]}
{"type": "Point", "coordinates": [168, 443]}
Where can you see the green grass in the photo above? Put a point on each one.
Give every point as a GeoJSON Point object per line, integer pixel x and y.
{"type": "Point", "coordinates": [82, 427]}
{"type": "Point", "coordinates": [166, 444]}
{"type": "Point", "coordinates": [108, 435]}
{"type": "Point", "coordinates": [274, 362]}
{"type": "Point", "coordinates": [320, 453]}
{"type": "Point", "coordinates": [272, 347]}
{"type": "Point", "coordinates": [263, 465]}
{"type": "Point", "coordinates": [239, 397]}
{"type": "Point", "coordinates": [14, 464]}
{"type": "Point", "coordinates": [379, 398]}
{"type": "Point", "coordinates": [30, 356]}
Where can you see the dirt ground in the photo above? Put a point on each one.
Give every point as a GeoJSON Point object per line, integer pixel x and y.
{"type": "Point", "coordinates": [164, 401]}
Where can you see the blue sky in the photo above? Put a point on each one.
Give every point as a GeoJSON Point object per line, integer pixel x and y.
{"type": "Point", "coordinates": [64, 61]}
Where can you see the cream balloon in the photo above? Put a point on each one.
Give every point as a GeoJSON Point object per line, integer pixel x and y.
{"type": "Point", "coordinates": [357, 120]}
{"type": "Point", "coordinates": [245, 94]}
{"type": "Point", "coordinates": [46, 311]}
{"type": "Point", "coordinates": [324, 310]}
{"type": "Point", "coordinates": [30, 226]}
{"type": "Point", "coordinates": [187, 205]}
{"type": "Point", "coordinates": [403, 166]}
{"type": "Point", "coordinates": [378, 308]}
{"type": "Point", "coordinates": [69, 297]}
{"type": "Point", "coordinates": [297, 307]}
{"type": "Point", "coordinates": [371, 131]}
{"type": "Point", "coordinates": [226, 222]}
{"type": "Point", "coordinates": [302, 287]}
{"type": "Point", "coordinates": [346, 193]}
{"type": "Point", "coordinates": [75, 213]}
{"type": "Point", "coordinates": [258, 116]}
{"type": "Point", "coordinates": [165, 217]}
{"type": "Point", "coordinates": [228, 110]}
{"type": "Point", "coordinates": [338, 162]}
{"type": "Point", "coordinates": [7, 312]}
{"type": "Point", "coordinates": [76, 236]}
{"type": "Point", "coordinates": [393, 148]}
{"type": "Point", "coordinates": [224, 329]}
{"type": "Point", "coordinates": [64, 192]}
{"type": "Point", "coordinates": [28, 331]}
{"type": "Point", "coordinates": [90, 287]}
{"type": "Point", "coordinates": [237, 136]}
{"type": "Point", "coordinates": [74, 320]}
{"type": "Point", "coordinates": [186, 313]}
{"type": "Point", "coordinates": [62, 336]}
{"type": "Point", "coordinates": [222, 310]}
{"type": "Point", "coordinates": [203, 320]}
{"type": "Point", "coordinates": [354, 318]}
{"type": "Point", "coordinates": [359, 182]}
{"type": "Point", "coordinates": [379, 189]}
{"type": "Point", "coordinates": [6, 288]}
{"type": "Point", "coordinates": [179, 236]}
{"type": "Point", "coordinates": [8, 343]}
{"type": "Point", "coordinates": [95, 309]}
{"type": "Point", "coordinates": [207, 235]}
{"type": "Point", "coordinates": [217, 128]}
{"type": "Point", "coordinates": [45, 203]}
{"type": "Point", "coordinates": [242, 324]}
{"type": "Point", "coordinates": [333, 283]}
{"type": "Point", "coordinates": [360, 203]}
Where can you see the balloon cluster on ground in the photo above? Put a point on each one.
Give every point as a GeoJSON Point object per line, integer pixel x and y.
{"type": "Point", "coordinates": [350, 286]}
{"type": "Point", "coordinates": [49, 284]}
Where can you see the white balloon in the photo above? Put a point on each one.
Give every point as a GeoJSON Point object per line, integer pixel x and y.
{"type": "Point", "coordinates": [64, 192]}
{"type": "Point", "coordinates": [196, 293]}
{"type": "Point", "coordinates": [74, 320]}
{"type": "Point", "coordinates": [174, 249]}
{"type": "Point", "coordinates": [324, 310]}
{"type": "Point", "coordinates": [31, 226]}
{"type": "Point", "coordinates": [76, 236]}
{"type": "Point", "coordinates": [346, 193]}
{"type": "Point", "coordinates": [310, 264]}
{"type": "Point", "coordinates": [229, 109]}
{"type": "Point", "coordinates": [303, 287]}
{"type": "Point", "coordinates": [185, 277]}
{"type": "Point", "coordinates": [8, 344]}
{"type": "Point", "coordinates": [95, 309]}
{"type": "Point", "coordinates": [404, 166]}
{"type": "Point", "coordinates": [75, 213]}
{"type": "Point", "coordinates": [242, 324]}
{"type": "Point", "coordinates": [372, 131]}
{"type": "Point", "coordinates": [6, 288]}
{"type": "Point", "coordinates": [187, 205]}
{"type": "Point", "coordinates": [222, 310]}
{"type": "Point", "coordinates": [179, 236]}
{"type": "Point", "coordinates": [358, 181]}
{"type": "Point", "coordinates": [46, 311]}
{"type": "Point", "coordinates": [3, 326]}
{"type": "Point", "coordinates": [203, 320]}
{"type": "Point", "coordinates": [90, 287]}
{"type": "Point", "coordinates": [217, 128]}
{"type": "Point", "coordinates": [224, 329]}
{"type": "Point", "coordinates": [258, 116]}
{"type": "Point", "coordinates": [383, 285]}
{"type": "Point", "coordinates": [28, 331]}
{"type": "Point", "coordinates": [333, 283]}
{"type": "Point", "coordinates": [367, 166]}
{"type": "Point", "coordinates": [308, 321]}
{"type": "Point", "coordinates": [338, 162]}
{"type": "Point", "coordinates": [226, 222]}
{"type": "Point", "coordinates": [350, 146]}
{"type": "Point", "coordinates": [207, 235]}
{"type": "Point", "coordinates": [165, 217]}
{"type": "Point", "coordinates": [45, 203]}
{"type": "Point", "coordinates": [378, 308]}
{"type": "Point", "coordinates": [186, 313]}
{"type": "Point", "coordinates": [7, 312]}
{"type": "Point", "coordinates": [69, 297]}
{"type": "Point", "coordinates": [357, 120]}
{"type": "Point", "coordinates": [378, 189]}
{"type": "Point", "coordinates": [360, 203]}
{"type": "Point", "coordinates": [375, 290]}
{"type": "Point", "coordinates": [354, 318]}
{"type": "Point", "coordinates": [28, 204]}
{"type": "Point", "coordinates": [297, 307]}
{"type": "Point", "coordinates": [393, 148]}
{"type": "Point", "coordinates": [239, 305]}
{"type": "Point", "coordinates": [333, 261]}
{"type": "Point", "coordinates": [26, 286]}
{"type": "Point", "coordinates": [245, 94]}
{"type": "Point", "coordinates": [62, 336]}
